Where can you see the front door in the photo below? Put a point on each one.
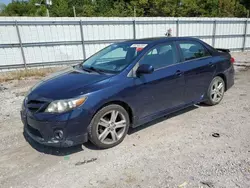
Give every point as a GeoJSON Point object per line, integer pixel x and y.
{"type": "Point", "coordinates": [164, 88]}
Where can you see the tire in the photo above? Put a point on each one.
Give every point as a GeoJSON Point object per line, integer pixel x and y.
{"type": "Point", "coordinates": [215, 91]}
{"type": "Point", "coordinates": [105, 132]}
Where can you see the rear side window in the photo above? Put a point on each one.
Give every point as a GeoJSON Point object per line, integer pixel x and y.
{"type": "Point", "coordinates": [193, 50]}
{"type": "Point", "coordinates": [160, 56]}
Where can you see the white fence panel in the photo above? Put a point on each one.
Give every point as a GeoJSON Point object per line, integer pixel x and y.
{"type": "Point", "coordinates": [248, 42]}
{"type": "Point", "coordinates": [107, 32]}
{"type": "Point", "coordinates": [148, 27]}
{"type": "Point", "coordinates": [59, 40]}
{"type": "Point", "coordinates": [228, 28]}
{"type": "Point", "coordinates": [53, 53]}
{"type": "Point", "coordinates": [10, 56]}
{"type": "Point", "coordinates": [196, 29]}
{"type": "Point", "coordinates": [49, 33]}
{"type": "Point", "coordinates": [8, 35]}
{"type": "Point", "coordinates": [154, 30]}
{"type": "Point", "coordinates": [233, 42]}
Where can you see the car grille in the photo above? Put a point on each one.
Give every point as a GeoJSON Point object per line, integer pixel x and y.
{"type": "Point", "coordinates": [36, 106]}
{"type": "Point", "coordinates": [34, 131]}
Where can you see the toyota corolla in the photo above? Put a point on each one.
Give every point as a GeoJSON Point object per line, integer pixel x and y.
{"type": "Point", "coordinates": [125, 85]}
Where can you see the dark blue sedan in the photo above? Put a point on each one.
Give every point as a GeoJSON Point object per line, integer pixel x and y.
{"type": "Point", "coordinates": [125, 85]}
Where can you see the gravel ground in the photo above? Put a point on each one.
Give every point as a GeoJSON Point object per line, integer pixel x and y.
{"type": "Point", "coordinates": [241, 56]}
{"type": "Point", "coordinates": [175, 151]}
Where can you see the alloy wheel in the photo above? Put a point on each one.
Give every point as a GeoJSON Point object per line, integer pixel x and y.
{"type": "Point", "coordinates": [217, 90]}
{"type": "Point", "coordinates": [111, 127]}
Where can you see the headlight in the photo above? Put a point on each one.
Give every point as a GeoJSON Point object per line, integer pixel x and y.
{"type": "Point", "coordinates": [60, 106]}
{"type": "Point", "coordinates": [24, 103]}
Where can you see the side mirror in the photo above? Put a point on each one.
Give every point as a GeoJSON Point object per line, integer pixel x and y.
{"type": "Point", "coordinates": [145, 69]}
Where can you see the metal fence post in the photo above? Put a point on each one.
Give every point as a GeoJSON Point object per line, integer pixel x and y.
{"type": "Point", "coordinates": [134, 29]}
{"type": "Point", "coordinates": [245, 36]}
{"type": "Point", "coordinates": [214, 33]}
{"type": "Point", "coordinates": [177, 28]}
{"type": "Point", "coordinates": [82, 37]}
{"type": "Point", "coordinates": [21, 44]}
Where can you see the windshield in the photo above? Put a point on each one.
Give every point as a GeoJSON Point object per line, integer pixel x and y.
{"type": "Point", "coordinates": [114, 58]}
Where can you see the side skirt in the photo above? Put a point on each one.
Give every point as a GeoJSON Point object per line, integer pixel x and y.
{"type": "Point", "coordinates": [163, 113]}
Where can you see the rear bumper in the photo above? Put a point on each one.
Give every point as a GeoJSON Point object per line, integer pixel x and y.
{"type": "Point", "coordinates": [229, 73]}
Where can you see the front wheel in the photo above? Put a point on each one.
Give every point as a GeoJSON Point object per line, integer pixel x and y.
{"type": "Point", "coordinates": [109, 126]}
{"type": "Point", "coordinates": [215, 91]}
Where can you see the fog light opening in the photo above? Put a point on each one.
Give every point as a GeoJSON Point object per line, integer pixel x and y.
{"type": "Point", "coordinates": [58, 134]}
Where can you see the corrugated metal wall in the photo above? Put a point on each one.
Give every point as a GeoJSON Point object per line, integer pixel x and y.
{"type": "Point", "coordinates": [62, 40]}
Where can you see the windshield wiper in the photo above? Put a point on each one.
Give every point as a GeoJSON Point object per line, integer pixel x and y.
{"type": "Point", "coordinates": [91, 69]}
{"type": "Point", "coordinates": [96, 70]}
{"type": "Point", "coordinates": [85, 69]}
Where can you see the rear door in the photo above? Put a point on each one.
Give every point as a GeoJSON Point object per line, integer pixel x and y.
{"type": "Point", "coordinates": [199, 68]}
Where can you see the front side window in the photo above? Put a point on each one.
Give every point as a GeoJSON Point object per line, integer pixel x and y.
{"type": "Point", "coordinates": [114, 58]}
{"type": "Point", "coordinates": [192, 50]}
{"type": "Point", "coordinates": [160, 56]}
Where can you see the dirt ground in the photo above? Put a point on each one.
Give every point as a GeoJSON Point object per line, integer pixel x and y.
{"type": "Point", "coordinates": [175, 151]}
{"type": "Point", "coordinates": [241, 56]}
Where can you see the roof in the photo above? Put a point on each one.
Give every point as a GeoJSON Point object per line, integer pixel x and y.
{"type": "Point", "coordinates": [160, 39]}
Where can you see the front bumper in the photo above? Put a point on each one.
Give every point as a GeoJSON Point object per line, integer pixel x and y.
{"type": "Point", "coordinates": [74, 130]}
{"type": "Point", "coordinates": [68, 142]}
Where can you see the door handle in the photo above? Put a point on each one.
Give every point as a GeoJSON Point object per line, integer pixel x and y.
{"type": "Point", "coordinates": [211, 64]}
{"type": "Point", "coordinates": [178, 73]}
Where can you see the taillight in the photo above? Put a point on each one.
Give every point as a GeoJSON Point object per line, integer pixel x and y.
{"type": "Point", "coordinates": [232, 60]}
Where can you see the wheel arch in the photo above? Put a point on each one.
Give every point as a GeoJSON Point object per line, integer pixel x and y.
{"type": "Point", "coordinates": [122, 104]}
{"type": "Point", "coordinates": [224, 79]}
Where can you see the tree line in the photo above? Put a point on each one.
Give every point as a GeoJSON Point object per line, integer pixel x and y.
{"type": "Point", "coordinates": [128, 8]}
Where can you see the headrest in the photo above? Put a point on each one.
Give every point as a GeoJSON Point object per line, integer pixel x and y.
{"type": "Point", "coordinates": [194, 49]}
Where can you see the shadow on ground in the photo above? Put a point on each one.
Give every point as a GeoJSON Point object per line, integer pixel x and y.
{"type": "Point", "coordinates": [52, 150]}
{"type": "Point", "coordinates": [78, 148]}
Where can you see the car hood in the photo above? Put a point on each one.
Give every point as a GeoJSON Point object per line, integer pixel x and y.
{"type": "Point", "coordinates": [69, 83]}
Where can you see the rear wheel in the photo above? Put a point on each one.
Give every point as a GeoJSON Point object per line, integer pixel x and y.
{"type": "Point", "coordinates": [109, 126]}
{"type": "Point", "coordinates": [215, 91]}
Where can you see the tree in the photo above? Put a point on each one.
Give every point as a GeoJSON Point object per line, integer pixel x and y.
{"type": "Point", "coordinates": [121, 8]}
{"type": "Point", "coordinates": [231, 8]}
{"type": "Point", "coordinates": [2, 7]}
{"type": "Point", "coordinates": [23, 8]}
{"type": "Point", "coordinates": [246, 3]}
{"type": "Point", "coordinates": [164, 8]}
{"type": "Point", "coordinates": [19, 9]}
{"type": "Point", "coordinates": [59, 8]}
